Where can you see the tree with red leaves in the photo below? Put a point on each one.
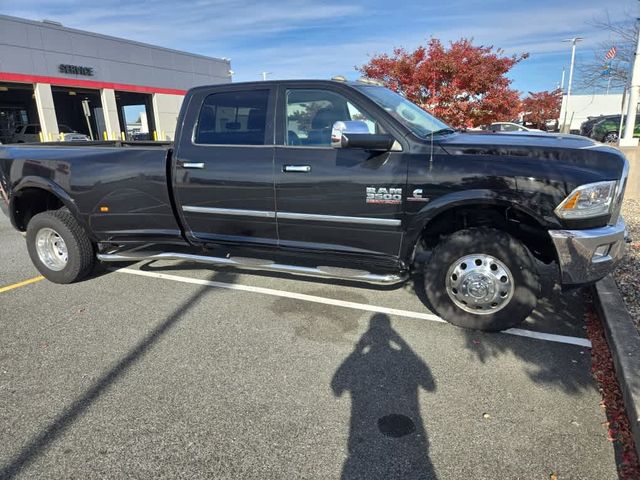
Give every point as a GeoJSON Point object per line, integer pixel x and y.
{"type": "Point", "coordinates": [540, 107]}
{"type": "Point", "coordinates": [464, 85]}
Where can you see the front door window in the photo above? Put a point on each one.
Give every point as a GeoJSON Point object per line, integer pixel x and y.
{"type": "Point", "coordinates": [311, 114]}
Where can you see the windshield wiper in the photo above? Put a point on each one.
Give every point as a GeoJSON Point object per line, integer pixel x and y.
{"type": "Point", "coordinates": [442, 131]}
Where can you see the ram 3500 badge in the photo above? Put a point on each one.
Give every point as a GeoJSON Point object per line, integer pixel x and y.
{"type": "Point", "coordinates": [389, 196]}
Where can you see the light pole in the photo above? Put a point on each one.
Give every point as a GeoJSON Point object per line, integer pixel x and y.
{"type": "Point", "coordinates": [566, 128]}
{"type": "Point", "coordinates": [264, 75]}
{"type": "Point", "coordinates": [632, 106]}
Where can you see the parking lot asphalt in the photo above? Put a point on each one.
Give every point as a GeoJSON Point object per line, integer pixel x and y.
{"type": "Point", "coordinates": [168, 370]}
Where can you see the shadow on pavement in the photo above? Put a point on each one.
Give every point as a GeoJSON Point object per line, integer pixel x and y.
{"type": "Point", "coordinates": [37, 445]}
{"type": "Point", "coordinates": [387, 437]}
{"type": "Point", "coordinates": [548, 365]}
{"type": "Point", "coordinates": [557, 312]}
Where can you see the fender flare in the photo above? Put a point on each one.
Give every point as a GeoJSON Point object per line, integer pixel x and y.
{"type": "Point", "coordinates": [50, 186]}
{"type": "Point", "coordinates": [421, 219]}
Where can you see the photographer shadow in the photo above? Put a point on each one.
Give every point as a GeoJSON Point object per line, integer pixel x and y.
{"type": "Point", "coordinates": [387, 437]}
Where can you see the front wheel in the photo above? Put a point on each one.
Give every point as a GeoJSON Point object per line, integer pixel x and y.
{"type": "Point", "coordinates": [481, 278]}
{"type": "Point", "coordinates": [611, 137]}
{"type": "Point", "coordinates": [59, 247]}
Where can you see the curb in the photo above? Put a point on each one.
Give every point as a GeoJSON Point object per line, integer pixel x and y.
{"type": "Point", "coordinates": [624, 342]}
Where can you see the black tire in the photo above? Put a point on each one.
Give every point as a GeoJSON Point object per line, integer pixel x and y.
{"type": "Point", "coordinates": [80, 251]}
{"type": "Point", "coordinates": [504, 248]}
{"type": "Point", "coordinates": [611, 137]}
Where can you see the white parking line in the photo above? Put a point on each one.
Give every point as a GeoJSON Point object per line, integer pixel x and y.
{"type": "Point", "coordinates": [550, 337]}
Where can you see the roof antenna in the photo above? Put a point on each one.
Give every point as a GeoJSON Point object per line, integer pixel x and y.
{"type": "Point", "coordinates": [431, 156]}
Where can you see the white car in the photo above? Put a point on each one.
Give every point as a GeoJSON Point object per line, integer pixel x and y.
{"type": "Point", "coordinates": [30, 133]}
{"type": "Point", "coordinates": [510, 127]}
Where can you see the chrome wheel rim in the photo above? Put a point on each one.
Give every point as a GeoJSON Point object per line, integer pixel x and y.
{"type": "Point", "coordinates": [480, 284]}
{"type": "Point", "coordinates": [611, 138]}
{"type": "Point", "coordinates": [51, 248]}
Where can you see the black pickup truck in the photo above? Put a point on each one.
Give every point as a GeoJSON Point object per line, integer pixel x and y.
{"type": "Point", "coordinates": [345, 180]}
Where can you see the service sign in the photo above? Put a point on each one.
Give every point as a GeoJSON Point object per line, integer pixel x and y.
{"type": "Point", "coordinates": [75, 70]}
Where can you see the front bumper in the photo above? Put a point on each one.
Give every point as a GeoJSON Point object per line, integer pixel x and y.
{"type": "Point", "coordinates": [586, 256]}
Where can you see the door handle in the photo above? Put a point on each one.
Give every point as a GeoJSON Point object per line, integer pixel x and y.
{"type": "Point", "coordinates": [192, 164]}
{"type": "Point", "coordinates": [296, 168]}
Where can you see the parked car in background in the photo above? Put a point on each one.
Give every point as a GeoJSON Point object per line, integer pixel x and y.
{"type": "Point", "coordinates": [607, 129]}
{"type": "Point", "coordinates": [140, 136]}
{"type": "Point", "coordinates": [30, 133]}
{"type": "Point", "coordinates": [26, 133]}
{"type": "Point", "coordinates": [552, 125]}
{"type": "Point", "coordinates": [510, 127]}
{"type": "Point", "coordinates": [75, 137]}
{"type": "Point", "coordinates": [586, 127]}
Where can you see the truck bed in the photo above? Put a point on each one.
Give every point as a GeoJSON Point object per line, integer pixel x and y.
{"type": "Point", "coordinates": [127, 178]}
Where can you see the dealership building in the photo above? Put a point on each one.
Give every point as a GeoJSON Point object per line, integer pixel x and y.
{"type": "Point", "coordinates": [54, 79]}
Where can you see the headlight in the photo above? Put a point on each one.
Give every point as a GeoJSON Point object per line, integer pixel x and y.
{"type": "Point", "coordinates": [586, 201]}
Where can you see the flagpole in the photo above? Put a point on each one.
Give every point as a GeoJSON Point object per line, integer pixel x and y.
{"type": "Point", "coordinates": [609, 83]}
{"type": "Point", "coordinates": [567, 128]}
{"type": "Point", "coordinates": [634, 92]}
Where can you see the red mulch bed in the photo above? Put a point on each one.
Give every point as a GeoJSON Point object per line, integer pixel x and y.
{"type": "Point", "coordinates": [618, 426]}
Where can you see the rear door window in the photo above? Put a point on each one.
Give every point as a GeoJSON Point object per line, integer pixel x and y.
{"type": "Point", "coordinates": [233, 118]}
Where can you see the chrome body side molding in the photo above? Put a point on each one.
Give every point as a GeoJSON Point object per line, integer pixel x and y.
{"type": "Point", "coordinates": [230, 211]}
{"type": "Point", "coordinates": [389, 222]}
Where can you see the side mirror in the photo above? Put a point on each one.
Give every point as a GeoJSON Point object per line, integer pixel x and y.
{"type": "Point", "coordinates": [355, 134]}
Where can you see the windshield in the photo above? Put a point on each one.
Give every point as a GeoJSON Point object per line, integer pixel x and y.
{"type": "Point", "coordinates": [409, 114]}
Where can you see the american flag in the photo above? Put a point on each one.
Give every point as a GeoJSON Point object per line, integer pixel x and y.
{"type": "Point", "coordinates": [611, 53]}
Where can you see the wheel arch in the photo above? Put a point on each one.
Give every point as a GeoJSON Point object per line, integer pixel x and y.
{"type": "Point", "coordinates": [33, 195]}
{"type": "Point", "coordinates": [478, 208]}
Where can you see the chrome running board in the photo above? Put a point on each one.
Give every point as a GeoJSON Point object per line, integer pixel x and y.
{"type": "Point", "coordinates": [337, 273]}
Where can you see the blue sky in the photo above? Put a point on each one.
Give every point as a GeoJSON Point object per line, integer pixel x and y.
{"type": "Point", "coordinates": [313, 39]}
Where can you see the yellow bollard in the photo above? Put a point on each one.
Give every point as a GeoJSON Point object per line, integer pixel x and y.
{"type": "Point", "coordinates": [155, 136]}
{"type": "Point", "coordinates": [122, 136]}
{"type": "Point", "coordinates": [41, 136]}
{"type": "Point", "coordinates": [61, 137]}
{"type": "Point", "coordinates": [104, 135]}
{"type": "Point", "coordinates": [50, 137]}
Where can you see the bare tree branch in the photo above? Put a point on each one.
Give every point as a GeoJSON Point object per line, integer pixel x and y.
{"type": "Point", "coordinates": [623, 36]}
